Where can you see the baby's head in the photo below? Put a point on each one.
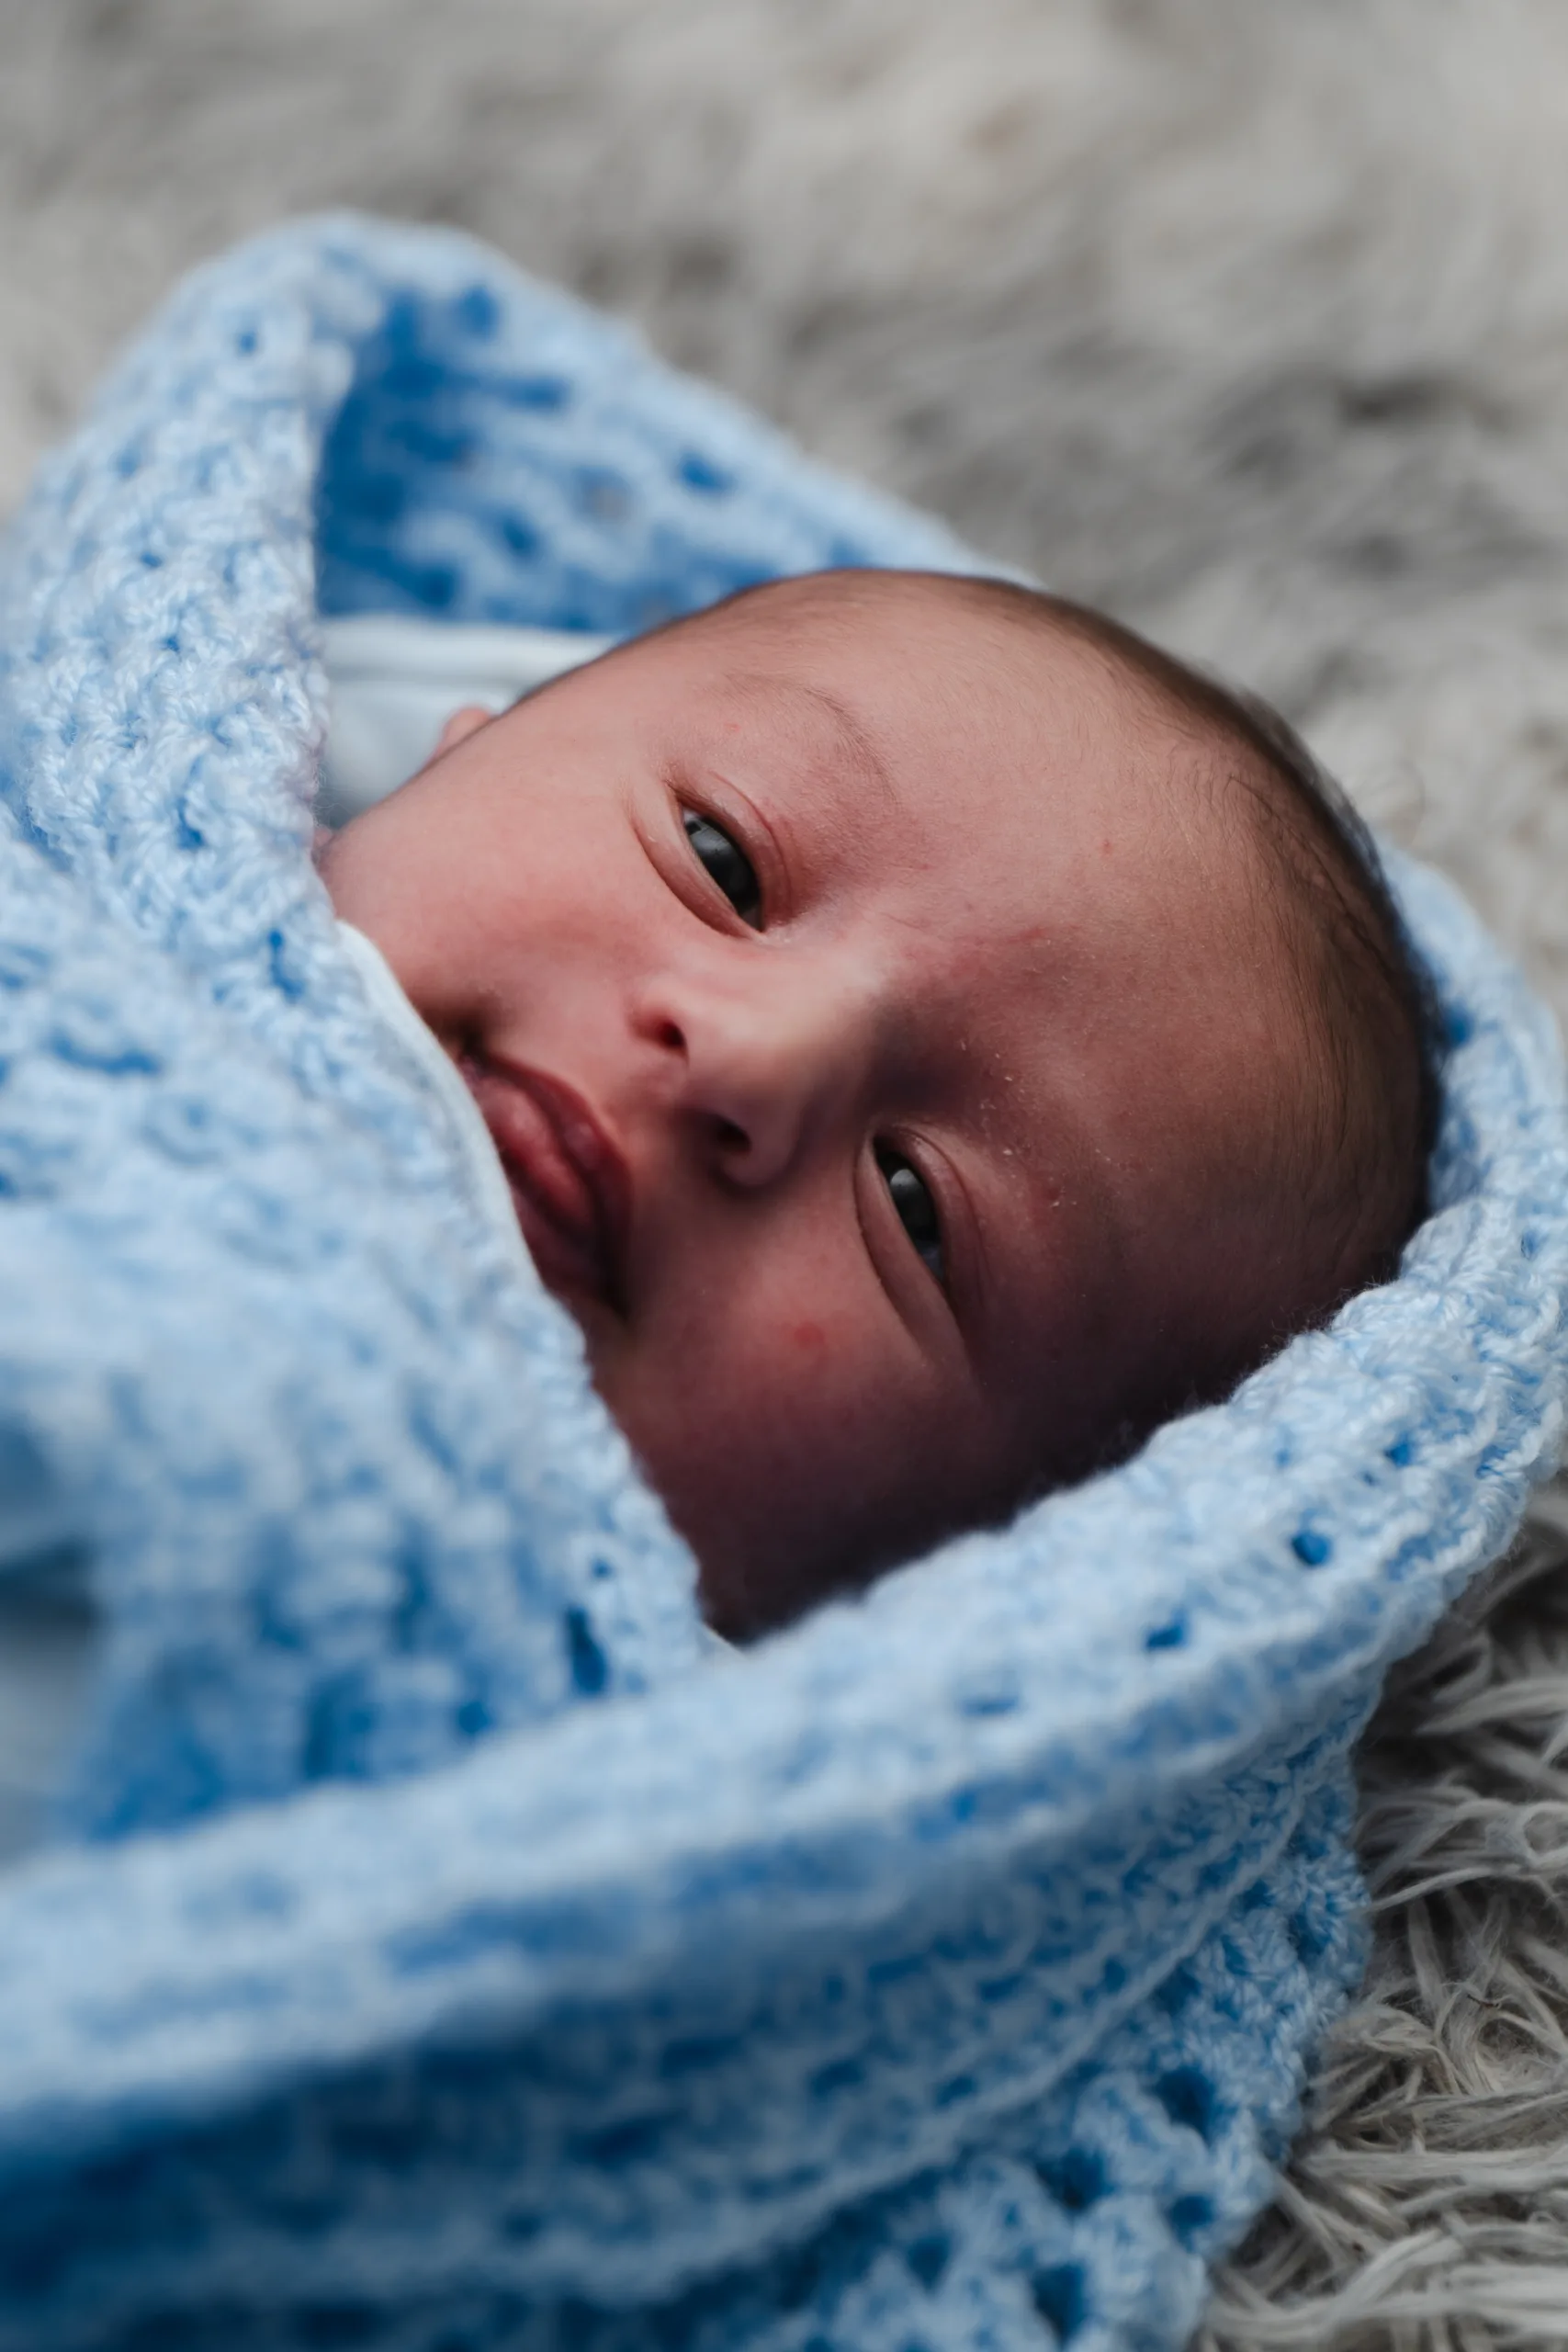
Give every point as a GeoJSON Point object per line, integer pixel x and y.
{"type": "Point", "coordinates": [932, 1035]}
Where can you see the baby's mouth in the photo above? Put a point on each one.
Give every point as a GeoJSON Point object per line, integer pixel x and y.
{"type": "Point", "coordinates": [569, 1184]}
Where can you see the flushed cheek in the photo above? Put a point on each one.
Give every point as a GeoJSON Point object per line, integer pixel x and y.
{"type": "Point", "coordinates": [770, 1377]}
{"type": "Point", "coordinates": [775, 1399]}
{"type": "Point", "coordinates": [765, 1433]}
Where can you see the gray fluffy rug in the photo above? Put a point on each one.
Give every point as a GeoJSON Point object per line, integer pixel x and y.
{"type": "Point", "coordinates": [1247, 318]}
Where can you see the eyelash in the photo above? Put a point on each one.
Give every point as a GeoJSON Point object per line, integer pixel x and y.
{"type": "Point", "coordinates": [708, 840]}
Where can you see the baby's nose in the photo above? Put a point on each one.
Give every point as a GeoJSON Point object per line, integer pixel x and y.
{"type": "Point", "coordinates": [761, 1069]}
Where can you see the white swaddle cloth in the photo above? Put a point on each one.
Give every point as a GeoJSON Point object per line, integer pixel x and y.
{"type": "Point", "coordinates": [396, 681]}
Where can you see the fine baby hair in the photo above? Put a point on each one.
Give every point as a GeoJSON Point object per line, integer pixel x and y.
{"type": "Point", "coordinates": [434, 1940]}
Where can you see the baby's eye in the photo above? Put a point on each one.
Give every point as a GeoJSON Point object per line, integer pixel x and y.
{"type": "Point", "coordinates": [917, 1210]}
{"type": "Point", "coordinates": [728, 865]}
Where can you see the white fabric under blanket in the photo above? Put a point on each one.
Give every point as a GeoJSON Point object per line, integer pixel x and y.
{"type": "Point", "coordinates": [396, 681]}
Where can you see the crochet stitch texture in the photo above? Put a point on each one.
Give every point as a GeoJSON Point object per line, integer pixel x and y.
{"type": "Point", "coordinates": [437, 1951]}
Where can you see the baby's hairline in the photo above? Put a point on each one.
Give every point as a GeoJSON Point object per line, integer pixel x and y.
{"type": "Point", "coordinates": [1363, 993]}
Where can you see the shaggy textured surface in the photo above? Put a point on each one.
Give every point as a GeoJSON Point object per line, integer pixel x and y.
{"type": "Point", "coordinates": [1248, 317]}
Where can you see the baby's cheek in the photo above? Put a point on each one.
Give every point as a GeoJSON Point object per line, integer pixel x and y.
{"type": "Point", "coordinates": [749, 1432]}
{"type": "Point", "coordinates": [787, 1420]}
{"type": "Point", "coordinates": [794, 1390]}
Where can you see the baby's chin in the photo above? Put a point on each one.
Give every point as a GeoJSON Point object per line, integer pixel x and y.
{"type": "Point", "coordinates": [769, 1549]}
{"type": "Point", "coordinates": [749, 1590]}
{"type": "Point", "coordinates": [742, 1520]}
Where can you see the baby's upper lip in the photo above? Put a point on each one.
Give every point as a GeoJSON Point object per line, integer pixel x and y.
{"type": "Point", "coordinates": [564, 1167]}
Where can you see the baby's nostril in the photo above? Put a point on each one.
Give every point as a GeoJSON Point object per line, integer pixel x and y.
{"type": "Point", "coordinates": [731, 1138]}
{"type": "Point", "coordinates": [670, 1034]}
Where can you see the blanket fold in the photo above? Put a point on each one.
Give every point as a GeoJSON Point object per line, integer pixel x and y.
{"type": "Point", "coordinates": [437, 1946]}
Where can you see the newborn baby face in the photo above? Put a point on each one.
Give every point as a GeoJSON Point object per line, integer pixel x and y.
{"type": "Point", "coordinates": [862, 999]}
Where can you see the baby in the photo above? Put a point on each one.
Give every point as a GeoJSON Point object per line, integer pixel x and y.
{"type": "Point", "coordinates": [930, 1036]}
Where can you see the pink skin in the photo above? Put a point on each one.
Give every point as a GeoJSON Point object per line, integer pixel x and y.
{"type": "Point", "coordinates": [1004, 933]}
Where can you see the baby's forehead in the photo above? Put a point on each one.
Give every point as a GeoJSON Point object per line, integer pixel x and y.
{"type": "Point", "coordinates": [1011, 650]}
{"type": "Point", "coordinates": [1004, 734]}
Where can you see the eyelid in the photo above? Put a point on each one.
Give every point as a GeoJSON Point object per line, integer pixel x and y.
{"type": "Point", "coordinates": [954, 1216]}
{"type": "Point", "coordinates": [722, 804]}
{"type": "Point", "coordinates": [892, 1163]}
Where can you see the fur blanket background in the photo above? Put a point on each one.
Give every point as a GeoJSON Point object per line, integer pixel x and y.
{"type": "Point", "coordinates": [1247, 318]}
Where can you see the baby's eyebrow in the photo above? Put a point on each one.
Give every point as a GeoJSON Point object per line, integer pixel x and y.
{"type": "Point", "coordinates": [854, 742]}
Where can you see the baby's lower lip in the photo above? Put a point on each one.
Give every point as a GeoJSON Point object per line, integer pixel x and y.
{"type": "Point", "coordinates": [555, 1206]}
{"type": "Point", "coordinates": [566, 1265]}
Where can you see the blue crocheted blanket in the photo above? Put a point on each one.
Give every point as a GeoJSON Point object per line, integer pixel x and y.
{"type": "Point", "coordinates": [437, 1948]}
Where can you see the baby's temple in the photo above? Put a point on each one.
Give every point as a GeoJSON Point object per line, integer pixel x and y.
{"type": "Point", "coordinates": [747, 1280]}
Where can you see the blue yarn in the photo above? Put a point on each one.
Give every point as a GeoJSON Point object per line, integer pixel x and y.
{"type": "Point", "coordinates": [437, 1948]}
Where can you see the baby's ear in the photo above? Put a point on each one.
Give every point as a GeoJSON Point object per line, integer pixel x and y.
{"type": "Point", "coordinates": [460, 725]}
